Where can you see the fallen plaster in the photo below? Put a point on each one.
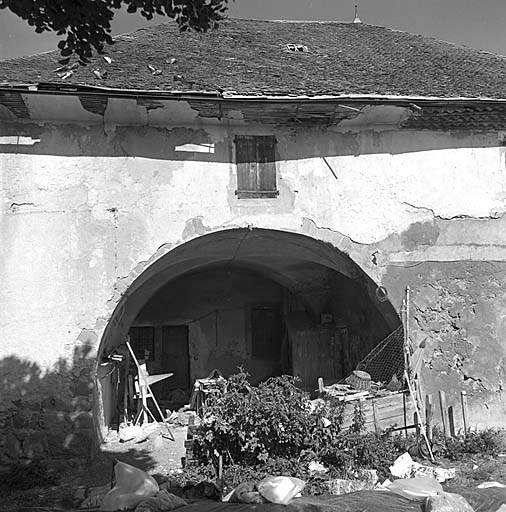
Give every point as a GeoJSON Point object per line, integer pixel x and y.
{"type": "Point", "coordinates": [194, 227]}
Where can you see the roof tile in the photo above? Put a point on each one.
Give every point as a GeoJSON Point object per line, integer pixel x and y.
{"type": "Point", "coordinates": [251, 58]}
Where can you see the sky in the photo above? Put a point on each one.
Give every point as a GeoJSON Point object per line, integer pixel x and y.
{"type": "Point", "coordinates": [477, 23]}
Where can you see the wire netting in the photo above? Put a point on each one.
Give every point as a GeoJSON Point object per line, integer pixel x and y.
{"type": "Point", "coordinates": [386, 358]}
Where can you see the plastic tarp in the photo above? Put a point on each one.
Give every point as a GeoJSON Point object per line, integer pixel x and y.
{"type": "Point", "coordinates": [482, 500]}
{"type": "Point", "coordinates": [373, 501]}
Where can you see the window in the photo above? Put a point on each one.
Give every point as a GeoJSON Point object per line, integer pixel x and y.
{"type": "Point", "coordinates": [256, 166]}
{"type": "Point", "coordinates": [142, 340]}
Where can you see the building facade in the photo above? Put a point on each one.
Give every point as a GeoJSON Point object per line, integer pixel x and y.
{"type": "Point", "coordinates": [224, 219]}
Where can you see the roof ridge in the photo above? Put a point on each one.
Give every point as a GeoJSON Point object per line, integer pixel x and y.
{"type": "Point", "coordinates": [323, 22]}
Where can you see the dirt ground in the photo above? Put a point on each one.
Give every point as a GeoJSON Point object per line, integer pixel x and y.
{"type": "Point", "coordinates": [152, 452]}
{"type": "Point", "coordinates": [161, 458]}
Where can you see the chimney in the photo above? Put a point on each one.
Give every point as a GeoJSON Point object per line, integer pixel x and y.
{"type": "Point", "coordinates": [356, 19]}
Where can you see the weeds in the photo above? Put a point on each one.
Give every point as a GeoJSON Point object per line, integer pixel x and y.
{"type": "Point", "coordinates": [490, 442]}
{"type": "Point", "coordinates": [274, 428]}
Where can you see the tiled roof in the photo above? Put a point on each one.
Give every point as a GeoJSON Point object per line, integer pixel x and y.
{"type": "Point", "coordinates": [249, 57]}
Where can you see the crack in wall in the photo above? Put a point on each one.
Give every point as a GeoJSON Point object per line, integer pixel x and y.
{"type": "Point", "coordinates": [114, 211]}
{"type": "Point", "coordinates": [15, 207]}
{"type": "Point", "coordinates": [333, 232]}
{"type": "Point", "coordinates": [496, 216]}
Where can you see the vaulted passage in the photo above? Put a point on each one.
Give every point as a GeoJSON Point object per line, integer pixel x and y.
{"type": "Point", "coordinates": [271, 302]}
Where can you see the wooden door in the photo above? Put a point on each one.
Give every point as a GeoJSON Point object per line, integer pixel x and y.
{"type": "Point", "coordinates": [266, 333]}
{"type": "Point", "coordinates": [318, 353]}
{"type": "Point", "coordinates": [175, 356]}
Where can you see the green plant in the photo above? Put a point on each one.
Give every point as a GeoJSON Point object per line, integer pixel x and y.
{"type": "Point", "coordinates": [484, 442]}
{"type": "Point", "coordinates": [354, 450]}
{"type": "Point", "coordinates": [252, 424]}
{"type": "Point", "coordinates": [358, 421]}
{"type": "Point", "coordinates": [274, 428]}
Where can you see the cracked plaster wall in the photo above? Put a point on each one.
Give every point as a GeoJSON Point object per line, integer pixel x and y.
{"type": "Point", "coordinates": [458, 312]}
{"type": "Point", "coordinates": [88, 207]}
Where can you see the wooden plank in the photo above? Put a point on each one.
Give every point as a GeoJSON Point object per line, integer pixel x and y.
{"type": "Point", "coordinates": [444, 413]}
{"type": "Point", "coordinates": [374, 417]}
{"type": "Point", "coordinates": [125, 391]}
{"type": "Point", "coordinates": [416, 362]}
{"type": "Point", "coordinates": [429, 416]}
{"type": "Point", "coordinates": [451, 421]}
{"type": "Point", "coordinates": [463, 396]}
{"type": "Point", "coordinates": [388, 411]}
{"type": "Point", "coordinates": [266, 169]}
{"type": "Point", "coordinates": [245, 154]}
{"type": "Point", "coordinates": [404, 413]}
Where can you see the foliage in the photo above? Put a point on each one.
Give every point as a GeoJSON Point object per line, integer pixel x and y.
{"type": "Point", "coordinates": [358, 423]}
{"type": "Point", "coordinates": [252, 424]}
{"type": "Point", "coordinates": [354, 450]}
{"type": "Point", "coordinates": [87, 23]}
{"type": "Point", "coordinates": [276, 428]}
{"type": "Point", "coordinates": [478, 442]}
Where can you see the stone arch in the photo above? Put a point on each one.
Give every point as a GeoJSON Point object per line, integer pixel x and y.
{"type": "Point", "coordinates": [313, 271]}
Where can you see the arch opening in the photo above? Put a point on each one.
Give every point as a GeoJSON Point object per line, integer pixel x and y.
{"type": "Point", "coordinates": [269, 301]}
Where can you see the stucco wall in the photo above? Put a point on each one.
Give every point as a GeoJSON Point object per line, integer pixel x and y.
{"type": "Point", "coordinates": [88, 208]}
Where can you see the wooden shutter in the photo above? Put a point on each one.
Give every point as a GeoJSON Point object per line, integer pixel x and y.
{"type": "Point", "coordinates": [256, 166]}
{"type": "Point", "coordinates": [266, 165]}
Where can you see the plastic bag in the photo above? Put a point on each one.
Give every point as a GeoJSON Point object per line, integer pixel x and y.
{"type": "Point", "coordinates": [132, 486]}
{"type": "Point", "coordinates": [280, 489]}
{"type": "Point", "coordinates": [416, 489]}
{"type": "Point", "coordinates": [245, 492]}
{"type": "Point", "coordinates": [447, 502]}
{"type": "Point", "coordinates": [405, 467]}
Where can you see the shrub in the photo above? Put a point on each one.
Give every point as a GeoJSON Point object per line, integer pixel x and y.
{"type": "Point", "coordinates": [252, 424]}
{"type": "Point", "coordinates": [354, 450]}
{"type": "Point", "coordinates": [485, 442]}
{"type": "Point", "coordinates": [276, 428]}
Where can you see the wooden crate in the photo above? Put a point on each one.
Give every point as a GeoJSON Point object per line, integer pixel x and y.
{"type": "Point", "coordinates": [395, 410]}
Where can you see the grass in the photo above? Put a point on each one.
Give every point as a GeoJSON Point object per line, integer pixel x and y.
{"type": "Point", "coordinates": [478, 457]}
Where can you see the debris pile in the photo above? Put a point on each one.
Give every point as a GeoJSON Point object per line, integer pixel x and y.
{"type": "Point", "coordinates": [359, 386]}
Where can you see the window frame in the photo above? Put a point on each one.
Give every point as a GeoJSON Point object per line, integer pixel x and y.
{"type": "Point", "coordinates": [255, 160]}
{"type": "Point", "coordinates": [135, 348]}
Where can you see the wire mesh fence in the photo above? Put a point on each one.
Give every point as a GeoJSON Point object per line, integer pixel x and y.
{"type": "Point", "coordinates": [386, 359]}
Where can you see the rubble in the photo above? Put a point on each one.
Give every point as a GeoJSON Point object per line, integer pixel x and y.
{"type": "Point", "coordinates": [405, 467]}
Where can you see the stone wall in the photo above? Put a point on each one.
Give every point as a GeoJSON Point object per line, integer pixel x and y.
{"type": "Point", "coordinates": [47, 414]}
